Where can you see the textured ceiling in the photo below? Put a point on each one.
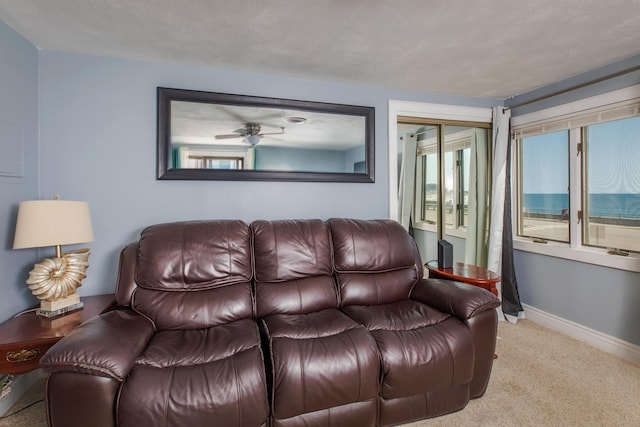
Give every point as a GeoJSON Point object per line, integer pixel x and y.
{"type": "Point", "coordinates": [483, 48]}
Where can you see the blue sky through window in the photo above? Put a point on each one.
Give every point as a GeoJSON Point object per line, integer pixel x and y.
{"type": "Point", "coordinates": [545, 167]}
{"type": "Point", "coordinates": [613, 160]}
{"type": "Point", "coordinates": [614, 157]}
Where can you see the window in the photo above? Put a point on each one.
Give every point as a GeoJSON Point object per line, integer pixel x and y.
{"type": "Point", "coordinates": [207, 157]}
{"type": "Point", "coordinates": [611, 205]}
{"type": "Point", "coordinates": [578, 179]}
{"type": "Point", "coordinates": [214, 162]}
{"type": "Point", "coordinates": [544, 186]}
{"type": "Point", "coordinates": [429, 188]}
{"type": "Point", "coordinates": [450, 201]}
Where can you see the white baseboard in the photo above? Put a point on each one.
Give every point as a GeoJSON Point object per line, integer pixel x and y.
{"type": "Point", "coordinates": [599, 340]}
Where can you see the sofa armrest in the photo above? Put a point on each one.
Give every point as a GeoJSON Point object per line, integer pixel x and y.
{"type": "Point", "coordinates": [459, 299]}
{"type": "Point", "coordinates": [106, 345]}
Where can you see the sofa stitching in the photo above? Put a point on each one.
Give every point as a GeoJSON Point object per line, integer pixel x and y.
{"type": "Point", "coordinates": [386, 233]}
{"type": "Point", "coordinates": [302, 381]}
{"type": "Point", "coordinates": [182, 265]}
{"type": "Point", "coordinates": [353, 344]}
{"type": "Point", "coordinates": [452, 358]}
{"type": "Point", "coordinates": [299, 295]}
{"type": "Point", "coordinates": [273, 368]}
{"type": "Point", "coordinates": [315, 245]}
{"type": "Point", "coordinates": [275, 249]}
{"type": "Point", "coordinates": [238, 389]}
{"type": "Point", "coordinates": [166, 401]}
{"type": "Point", "coordinates": [353, 246]}
{"type": "Point", "coordinates": [481, 308]}
{"type": "Point", "coordinates": [228, 241]}
{"type": "Point", "coordinates": [89, 367]}
{"type": "Point", "coordinates": [204, 345]}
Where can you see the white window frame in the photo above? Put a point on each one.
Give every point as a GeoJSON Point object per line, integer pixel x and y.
{"type": "Point", "coordinates": [574, 250]}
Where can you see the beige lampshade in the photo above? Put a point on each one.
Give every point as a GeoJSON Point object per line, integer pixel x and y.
{"type": "Point", "coordinates": [52, 222]}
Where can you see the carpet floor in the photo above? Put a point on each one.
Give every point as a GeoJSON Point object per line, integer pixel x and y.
{"type": "Point", "coordinates": [540, 378]}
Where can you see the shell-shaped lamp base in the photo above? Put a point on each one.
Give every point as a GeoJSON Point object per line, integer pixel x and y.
{"type": "Point", "coordinates": [58, 278]}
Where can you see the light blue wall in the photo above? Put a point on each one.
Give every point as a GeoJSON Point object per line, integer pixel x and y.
{"type": "Point", "coordinates": [599, 298]}
{"type": "Point", "coordinates": [98, 143]}
{"type": "Point", "coordinates": [291, 159]}
{"type": "Point", "coordinates": [18, 115]}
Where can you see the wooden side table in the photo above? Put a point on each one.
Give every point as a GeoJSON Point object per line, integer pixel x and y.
{"type": "Point", "coordinates": [24, 339]}
{"type": "Point", "coordinates": [466, 273]}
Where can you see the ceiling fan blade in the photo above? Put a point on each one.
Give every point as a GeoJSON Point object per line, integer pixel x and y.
{"type": "Point", "coordinates": [238, 133]}
{"type": "Point", "coordinates": [273, 133]}
{"type": "Point", "coordinates": [229, 136]}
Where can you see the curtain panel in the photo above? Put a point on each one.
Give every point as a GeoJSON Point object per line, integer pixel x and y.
{"type": "Point", "coordinates": [407, 180]}
{"type": "Point", "coordinates": [479, 188]}
{"type": "Point", "coordinates": [500, 257]}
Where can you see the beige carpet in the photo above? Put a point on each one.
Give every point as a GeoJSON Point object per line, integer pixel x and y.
{"type": "Point", "coordinates": [541, 378]}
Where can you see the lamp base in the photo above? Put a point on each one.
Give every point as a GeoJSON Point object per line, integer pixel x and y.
{"type": "Point", "coordinates": [59, 307]}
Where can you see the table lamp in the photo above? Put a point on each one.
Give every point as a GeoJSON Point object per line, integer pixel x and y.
{"type": "Point", "coordinates": [55, 223]}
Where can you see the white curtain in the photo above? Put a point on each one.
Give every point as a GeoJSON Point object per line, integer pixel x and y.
{"type": "Point", "coordinates": [477, 218]}
{"type": "Point", "coordinates": [407, 179]}
{"type": "Point", "coordinates": [500, 257]}
{"type": "Point", "coordinates": [500, 140]}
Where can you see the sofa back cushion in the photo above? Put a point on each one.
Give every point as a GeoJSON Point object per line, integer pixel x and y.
{"type": "Point", "coordinates": [293, 271]}
{"type": "Point", "coordinates": [194, 274]}
{"type": "Point", "coordinates": [375, 261]}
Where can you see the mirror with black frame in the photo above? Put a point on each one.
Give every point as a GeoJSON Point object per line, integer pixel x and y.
{"type": "Point", "coordinates": [218, 136]}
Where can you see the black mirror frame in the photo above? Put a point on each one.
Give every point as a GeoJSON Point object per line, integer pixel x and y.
{"type": "Point", "coordinates": [166, 95]}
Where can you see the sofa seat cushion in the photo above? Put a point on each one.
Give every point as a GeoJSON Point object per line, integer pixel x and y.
{"type": "Point", "coordinates": [318, 324]}
{"type": "Point", "coordinates": [422, 349]}
{"type": "Point", "coordinates": [191, 377]}
{"type": "Point", "coordinates": [196, 346]}
{"type": "Point", "coordinates": [402, 315]}
{"type": "Point", "coordinates": [320, 360]}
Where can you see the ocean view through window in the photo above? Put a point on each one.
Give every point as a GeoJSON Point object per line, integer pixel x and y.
{"type": "Point", "coordinates": [544, 185]}
{"type": "Point", "coordinates": [612, 184]}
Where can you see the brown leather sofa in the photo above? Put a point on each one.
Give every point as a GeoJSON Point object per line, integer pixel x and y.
{"type": "Point", "coordinates": [277, 323]}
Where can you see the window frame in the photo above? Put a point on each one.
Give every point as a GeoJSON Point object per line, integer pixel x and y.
{"type": "Point", "coordinates": [552, 117]}
{"type": "Point", "coordinates": [460, 143]}
{"type": "Point", "coordinates": [424, 110]}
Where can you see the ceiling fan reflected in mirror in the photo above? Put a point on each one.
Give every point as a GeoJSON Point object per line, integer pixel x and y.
{"type": "Point", "coordinates": [251, 132]}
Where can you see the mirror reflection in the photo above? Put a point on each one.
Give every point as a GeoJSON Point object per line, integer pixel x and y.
{"type": "Point", "coordinates": [221, 136]}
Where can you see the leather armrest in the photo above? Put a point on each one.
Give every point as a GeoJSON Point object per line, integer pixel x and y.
{"type": "Point", "coordinates": [106, 345]}
{"type": "Point", "coordinates": [459, 299]}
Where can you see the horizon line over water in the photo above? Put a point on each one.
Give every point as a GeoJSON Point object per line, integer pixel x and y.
{"type": "Point", "coordinates": [607, 205]}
